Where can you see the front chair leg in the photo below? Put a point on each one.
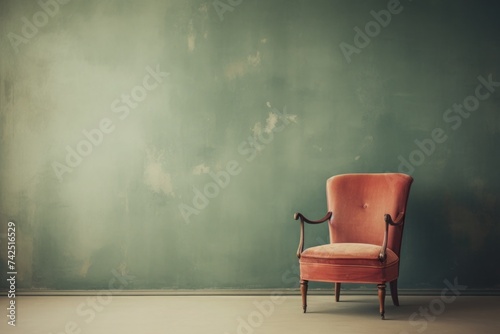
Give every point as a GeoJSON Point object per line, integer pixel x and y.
{"type": "Point", "coordinates": [303, 292]}
{"type": "Point", "coordinates": [381, 299]}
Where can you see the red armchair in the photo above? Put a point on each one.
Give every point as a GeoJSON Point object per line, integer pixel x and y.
{"type": "Point", "coordinates": [365, 240]}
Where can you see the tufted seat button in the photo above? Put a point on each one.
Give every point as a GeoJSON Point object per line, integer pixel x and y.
{"type": "Point", "coordinates": [365, 206]}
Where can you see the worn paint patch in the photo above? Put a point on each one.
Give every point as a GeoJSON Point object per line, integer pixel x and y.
{"type": "Point", "coordinates": [155, 177]}
{"type": "Point", "coordinates": [254, 60]}
{"type": "Point", "coordinates": [201, 169]}
{"type": "Point", "coordinates": [191, 39]}
{"type": "Point", "coordinates": [291, 118]}
{"type": "Point", "coordinates": [191, 42]}
{"type": "Point", "coordinates": [203, 8]}
{"type": "Point", "coordinates": [235, 70]}
{"type": "Point", "coordinates": [271, 123]}
{"type": "Point", "coordinates": [85, 268]}
{"type": "Point", "coordinates": [240, 68]}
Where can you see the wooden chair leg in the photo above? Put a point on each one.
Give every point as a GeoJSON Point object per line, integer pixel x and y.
{"type": "Point", "coordinates": [337, 292]}
{"type": "Point", "coordinates": [394, 292]}
{"type": "Point", "coordinates": [303, 292]}
{"type": "Point", "coordinates": [381, 299]}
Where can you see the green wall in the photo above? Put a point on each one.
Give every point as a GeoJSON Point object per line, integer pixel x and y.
{"type": "Point", "coordinates": [117, 115]}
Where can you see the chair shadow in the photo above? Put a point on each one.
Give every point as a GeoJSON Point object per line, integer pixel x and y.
{"type": "Point", "coordinates": [367, 306]}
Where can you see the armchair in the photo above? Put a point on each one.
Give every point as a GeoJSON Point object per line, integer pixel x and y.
{"type": "Point", "coordinates": [365, 240]}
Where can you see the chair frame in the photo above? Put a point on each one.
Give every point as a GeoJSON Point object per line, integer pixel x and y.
{"type": "Point", "coordinates": [399, 221]}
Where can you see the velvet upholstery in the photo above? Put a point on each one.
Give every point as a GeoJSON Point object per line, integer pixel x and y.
{"type": "Point", "coordinates": [358, 203]}
{"type": "Point", "coordinates": [358, 230]}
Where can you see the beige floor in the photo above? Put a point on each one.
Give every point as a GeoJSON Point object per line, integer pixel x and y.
{"type": "Point", "coordinates": [248, 315]}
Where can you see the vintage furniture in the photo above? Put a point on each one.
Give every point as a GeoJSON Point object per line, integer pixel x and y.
{"type": "Point", "coordinates": [365, 217]}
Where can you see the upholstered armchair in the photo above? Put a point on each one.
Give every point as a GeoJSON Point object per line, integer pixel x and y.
{"type": "Point", "coordinates": [365, 217]}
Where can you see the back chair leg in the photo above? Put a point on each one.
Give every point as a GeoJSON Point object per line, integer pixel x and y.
{"type": "Point", "coordinates": [303, 292]}
{"type": "Point", "coordinates": [337, 291]}
{"type": "Point", "coordinates": [394, 292]}
{"type": "Point", "coordinates": [381, 299]}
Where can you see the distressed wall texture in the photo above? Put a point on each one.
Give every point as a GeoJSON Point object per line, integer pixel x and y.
{"type": "Point", "coordinates": [170, 142]}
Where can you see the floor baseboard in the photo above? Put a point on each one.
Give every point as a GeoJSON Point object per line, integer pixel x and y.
{"type": "Point", "coordinates": [241, 292]}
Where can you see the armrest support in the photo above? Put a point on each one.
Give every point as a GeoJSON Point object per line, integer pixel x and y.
{"type": "Point", "coordinates": [399, 219]}
{"type": "Point", "coordinates": [388, 221]}
{"type": "Point", "coordinates": [303, 219]}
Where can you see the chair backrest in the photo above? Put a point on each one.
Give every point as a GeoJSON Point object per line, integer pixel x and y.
{"type": "Point", "coordinates": [358, 203]}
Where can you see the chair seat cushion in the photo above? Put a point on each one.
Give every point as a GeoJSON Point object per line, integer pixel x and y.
{"type": "Point", "coordinates": [352, 254]}
{"type": "Point", "coordinates": [348, 262]}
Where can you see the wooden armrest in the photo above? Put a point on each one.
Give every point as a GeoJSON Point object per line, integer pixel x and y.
{"type": "Point", "coordinates": [303, 219]}
{"type": "Point", "coordinates": [388, 221]}
{"type": "Point", "coordinates": [298, 215]}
